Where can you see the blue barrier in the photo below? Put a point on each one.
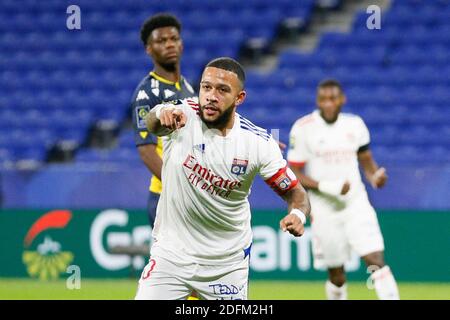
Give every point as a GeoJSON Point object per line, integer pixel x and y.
{"type": "Point", "coordinates": [84, 187]}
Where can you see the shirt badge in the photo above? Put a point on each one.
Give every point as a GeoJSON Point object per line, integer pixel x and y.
{"type": "Point", "coordinates": [239, 166]}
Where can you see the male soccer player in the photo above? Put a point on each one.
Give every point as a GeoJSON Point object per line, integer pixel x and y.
{"type": "Point", "coordinates": [161, 37]}
{"type": "Point", "coordinates": [328, 145]}
{"type": "Point", "coordinates": [202, 234]}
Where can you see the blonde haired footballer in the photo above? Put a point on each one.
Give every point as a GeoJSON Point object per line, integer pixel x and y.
{"type": "Point", "coordinates": [202, 234]}
{"type": "Point", "coordinates": [329, 146]}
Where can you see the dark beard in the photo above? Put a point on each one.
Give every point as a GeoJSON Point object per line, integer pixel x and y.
{"type": "Point", "coordinates": [169, 67]}
{"type": "Point", "coordinates": [329, 121]}
{"type": "Point", "coordinates": [221, 121]}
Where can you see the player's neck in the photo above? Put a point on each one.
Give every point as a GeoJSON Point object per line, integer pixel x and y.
{"type": "Point", "coordinates": [224, 129]}
{"type": "Point", "coordinates": [329, 122]}
{"type": "Point", "coordinates": [173, 76]}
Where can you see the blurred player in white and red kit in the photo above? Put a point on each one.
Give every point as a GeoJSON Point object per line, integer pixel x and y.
{"type": "Point", "coordinates": [328, 145]}
{"type": "Point", "coordinates": [202, 234]}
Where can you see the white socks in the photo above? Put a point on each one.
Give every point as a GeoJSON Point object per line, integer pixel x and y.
{"type": "Point", "coordinates": [385, 285]}
{"type": "Point", "coordinates": [334, 292]}
{"type": "Point", "coordinates": [383, 280]}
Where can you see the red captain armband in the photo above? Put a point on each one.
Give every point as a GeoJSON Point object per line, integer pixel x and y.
{"type": "Point", "coordinates": [282, 181]}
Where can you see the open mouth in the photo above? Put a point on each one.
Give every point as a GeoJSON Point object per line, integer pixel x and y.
{"type": "Point", "coordinates": [210, 110]}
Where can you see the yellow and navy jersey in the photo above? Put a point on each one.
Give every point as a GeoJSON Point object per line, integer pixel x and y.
{"type": "Point", "coordinates": [153, 90]}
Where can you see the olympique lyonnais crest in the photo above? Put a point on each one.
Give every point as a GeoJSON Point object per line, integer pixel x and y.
{"type": "Point", "coordinates": [239, 166]}
{"type": "Point", "coordinates": [283, 182]}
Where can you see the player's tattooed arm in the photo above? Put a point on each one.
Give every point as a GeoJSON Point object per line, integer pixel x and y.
{"type": "Point", "coordinates": [296, 198]}
{"type": "Point", "coordinates": [288, 187]}
{"type": "Point", "coordinates": [163, 119]}
{"type": "Point", "coordinates": [374, 174]}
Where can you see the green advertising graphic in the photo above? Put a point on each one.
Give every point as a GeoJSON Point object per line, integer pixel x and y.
{"type": "Point", "coordinates": [44, 244]}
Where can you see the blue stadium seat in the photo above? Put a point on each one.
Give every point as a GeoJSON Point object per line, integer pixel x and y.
{"type": "Point", "coordinates": [93, 155]}
{"type": "Point", "coordinates": [37, 153]}
{"type": "Point", "coordinates": [126, 139]}
{"type": "Point", "coordinates": [125, 155]}
{"type": "Point", "coordinates": [5, 155]}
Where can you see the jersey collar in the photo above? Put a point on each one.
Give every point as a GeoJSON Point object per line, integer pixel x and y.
{"type": "Point", "coordinates": [164, 80]}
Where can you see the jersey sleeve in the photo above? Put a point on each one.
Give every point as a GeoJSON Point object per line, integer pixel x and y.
{"type": "Point", "coordinates": [271, 159]}
{"type": "Point", "coordinates": [190, 105]}
{"type": "Point", "coordinates": [363, 134]}
{"type": "Point", "coordinates": [274, 170]}
{"type": "Point", "coordinates": [142, 102]}
{"type": "Point", "coordinates": [298, 152]}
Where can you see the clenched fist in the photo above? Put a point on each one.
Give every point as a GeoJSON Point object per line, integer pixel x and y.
{"type": "Point", "coordinates": [292, 224]}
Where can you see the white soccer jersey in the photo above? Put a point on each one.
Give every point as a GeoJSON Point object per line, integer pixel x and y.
{"type": "Point", "coordinates": [203, 214]}
{"type": "Point", "coordinates": [329, 151]}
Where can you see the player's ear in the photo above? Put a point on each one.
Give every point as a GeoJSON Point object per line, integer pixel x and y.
{"type": "Point", "coordinates": [241, 97]}
{"type": "Point", "coordinates": [181, 46]}
{"type": "Point", "coordinates": [343, 98]}
{"type": "Point", "coordinates": [148, 49]}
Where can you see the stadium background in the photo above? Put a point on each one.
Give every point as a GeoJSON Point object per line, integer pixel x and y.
{"type": "Point", "coordinates": [72, 184]}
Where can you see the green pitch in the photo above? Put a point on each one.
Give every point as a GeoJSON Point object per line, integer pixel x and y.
{"type": "Point", "coordinates": [125, 289]}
